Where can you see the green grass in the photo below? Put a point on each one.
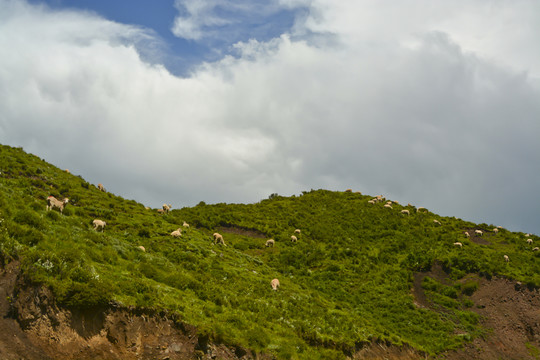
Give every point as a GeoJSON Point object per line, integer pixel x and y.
{"type": "Point", "coordinates": [346, 282]}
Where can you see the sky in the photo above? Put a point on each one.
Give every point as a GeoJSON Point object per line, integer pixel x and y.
{"type": "Point", "coordinates": [429, 102]}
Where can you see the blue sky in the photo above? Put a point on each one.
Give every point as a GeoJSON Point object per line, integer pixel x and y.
{"type": "Point", "coordinates": [179, 54]}
{"type": "Point", "coordinates": [428, 102]}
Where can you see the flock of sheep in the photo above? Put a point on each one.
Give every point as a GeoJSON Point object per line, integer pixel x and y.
{"type": "Point", "coordinates": [98, 224]}
{"type": "Point", "coordinates": [388, 204]}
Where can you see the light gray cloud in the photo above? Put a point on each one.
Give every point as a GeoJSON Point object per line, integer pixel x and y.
{"type": "Point", "coordinates": [398, 105]}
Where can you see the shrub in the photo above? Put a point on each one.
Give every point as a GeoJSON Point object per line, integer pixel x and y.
{"type": "Point", "coordinates": [469, 287]}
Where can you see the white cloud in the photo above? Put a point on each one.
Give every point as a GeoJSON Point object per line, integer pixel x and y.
{"type": "Point", "coordinates": [399, 104]}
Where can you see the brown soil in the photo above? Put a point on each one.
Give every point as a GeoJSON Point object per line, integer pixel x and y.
{"type": "Point", "coordinates": [480, 240]}
{"type": "Point", "coordinates": [512, 313]}
{"type": "Point", "coordinates": [238, 230]}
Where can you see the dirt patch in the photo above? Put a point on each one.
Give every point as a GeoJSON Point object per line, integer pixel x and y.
{"type": "Point", "coordinates": [437, 273]}
{"type": "Point", "coordinates": [377, 351]}
{"type": "Point", "coordinates": [238, 230]}
{"type": "Point", "coordinates": [480, 240]}
{"type": "Point", "coordinates": [512, 313]}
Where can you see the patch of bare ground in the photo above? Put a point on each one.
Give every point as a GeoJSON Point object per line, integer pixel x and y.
{"type": "Point", "coordinates": [239, 230]}
{"type": "Point", "coordinates": [437, 273]}
{"type": "Point", "coordinates": [480, 240]}
{"type": "Point", "coordinates": [379, 351]}
{"type": "Point", "coordinates": [512, 314]}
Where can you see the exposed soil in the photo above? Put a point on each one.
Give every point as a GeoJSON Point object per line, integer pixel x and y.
{"type": "Point", "coordinates": [480, 240]}
{"type": "Point", "coordinates": [238, 230]}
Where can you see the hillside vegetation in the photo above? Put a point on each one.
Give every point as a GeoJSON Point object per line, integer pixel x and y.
{"type": "Point", "coordinates": [348, 281]}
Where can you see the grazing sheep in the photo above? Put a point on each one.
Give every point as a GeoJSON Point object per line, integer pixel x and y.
{"type": "Point", "coordinates": [458, 244]}
{"type": "Point", "coordinates": [147, 208]}
{"type": "Point", "coordinates": [479, 232]}
{"type": "Point", "coordinates": [389, 202]}
{"type": "Point", "coordinates": [275, 284]}
{"type": "Point", "coordinates": [500, 227]}
{"type": "Point", "coordinates": [185, 224]}
{"type": "Point", "coordinates": [348, 190]}
{"type": "Point", "coordinates": [294, 238]}
{"type": "Point", "coordinates": [506, 258]}
{"type": "Point", "coordinates": [527, 235]}
{"type": "Point", "coordinates": [177, 233]}
{"type": "Point", "coordinates": [495, 230]}
{"type": "Point", "coordinates": [297, 231]}
{"type": "Point", "coordinates": [536, 248]}
{"type": "Point", "coordinates": [167, 208]}
{"type": "Point", "coordinates": [270, 242]}
{"type": "Point", "coordinates": [101, 187]}
{"type": "Point", "coordinates": [161, 211]}
{"type": "Point", "coordinates": [371, 201]}
{"type": "Point", "coordinates": [99, 224]}
{"type": "Point", "coordinates": [437, 222]}
{"type": "Point", "coordinates": [142, 248]}
{"type": "Point", "coordinates": [529, 241]}
{"type": "Point", "coordinates": [218, 239]}
{"type": "Point", "coordinates": [388, 206]}
{"type": "Point", "coordinates": [67, 170]}
{"type": "Point", "coordinates": [467, 234]}
{"type": "Point", "coordinates": [406, 212]}
{"type": "Point", "coordinates": [53, 202]}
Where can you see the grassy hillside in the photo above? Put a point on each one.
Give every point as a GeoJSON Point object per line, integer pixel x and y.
{"type": "Point", "coordinates": [347, 280]}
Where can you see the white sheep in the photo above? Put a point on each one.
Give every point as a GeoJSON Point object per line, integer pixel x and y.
{"type": "Point", "coordinates": [348, 190]}
{"type": "Point", "coordinates": [270, 242]}
{"type": "Point", "coordinates": [297, 231]}
{"type": "Point", "coordinates": [185, 224]}
{"type": "Point", "coordinates": [479, 232]}
{"type": "Point", "coordinates": [275, 284]}
{"type": "Point", "coordinates": [406, 212]}
{"type": "Point", "coordinates": [161, 211]}
{"type": "Point", "coordinates": [167, 208]}
{"type": "Point", "coordinates": [67, 170]}
{"type": "Point", "coordinates": [177, 233]}
{"type": "Point", "coordinates": [101, 187]}
{"type": "Point", "coordinates": [53, 202]}
{"type": "Point", "coordinates": [495, 230]}
{"type": "Point", "coordinates": [371, 201]}
{"type": "Point", "coordinates": [506, 258]}
{"type": "Point", "coordinates": [527, 235]}
{"type": "Point", "coordinates": [388, 206]}
{"type": "Point", "coordinates": [458, 244]}
{"type": "Point", "coordinates": [467, 234]}
{"type": "Point", "coordinates": [218, 239]}
{"type": "Point", "coordinates": [142, 248]}
{"type": "Point", "coordinates": [437, 222]}
{"type": "Point", "coordinates": [294, 238]}
{"type": "Point", "coordinates": [536, 249]}
{"type": "Point", "coordinates": [529, 241]}
{"type": "Point", "coordinates": [99, 224]}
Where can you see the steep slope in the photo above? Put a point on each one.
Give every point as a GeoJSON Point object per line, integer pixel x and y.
{"type": "Point", "coordinates": [361, 279]}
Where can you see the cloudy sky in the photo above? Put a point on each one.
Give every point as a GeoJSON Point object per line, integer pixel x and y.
{"type": "Point", "coordinates": [436, 103]}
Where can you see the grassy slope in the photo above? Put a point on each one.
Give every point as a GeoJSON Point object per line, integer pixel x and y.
{"type": "Point", "coordinates": [346, 281]}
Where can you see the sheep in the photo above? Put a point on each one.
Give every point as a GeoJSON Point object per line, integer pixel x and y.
{"type": "Point", "coordinates": [177, 233]}
{"type": "Point", "coordinates": [458, 244]}
{"type": "Point", "coordinates": [348, 190]}
{"type": "Point", "coordinates": [274, 283]}
{"type": "Point", "coordinates": [297, 231]}
{"type": "Point", "coordinates": [53, 202]}
{"type": "Point", "coordinates": [529, 241]}
{"type": "Point", "coordinates": [99, 224]}
{"type": "Point", "coordinates": [527, 235]}
{"type": "Point", "coordinates": [389, 203]}
{"type": "Point", "coordinates": [142, 248]}
{"type": "Point", "coordinates": [467, 234]}
{"type": "Point", "coordinates": [406, 212]}
{"type": "Point", "coordinates": [294, 238]}
{"type": "Point", "coordinates": [506, 258]}
{"type": "Point", "coordinates": [536, 249]}
{"type": "Point", "coordinates": [218, 239]}
{"type": "Point", "coordinates": [101, 187]}
{"type": "Point", "coordinates": [437, 222]}
{"type": "Point", "coordinates": [161, 211]}
{"type": "Point", "coordinates": [388, 206]}
{"type": "Point", "coordinates": [500, 227]}
{"type": "Point", "coordinates": [185, 224]}
{"type": "Point", "coordinates": [167, 208]}
{"type": "Point", "coordinates": [479, 232]}
{"type": "Point", "coordinates": [371, 201]}
{"type": "Point", "coordinates": [495, 230]}
{"type": "Point", "coordinates": [270, 242]}
{"type": "Point", "coordinates": [67, 170]}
